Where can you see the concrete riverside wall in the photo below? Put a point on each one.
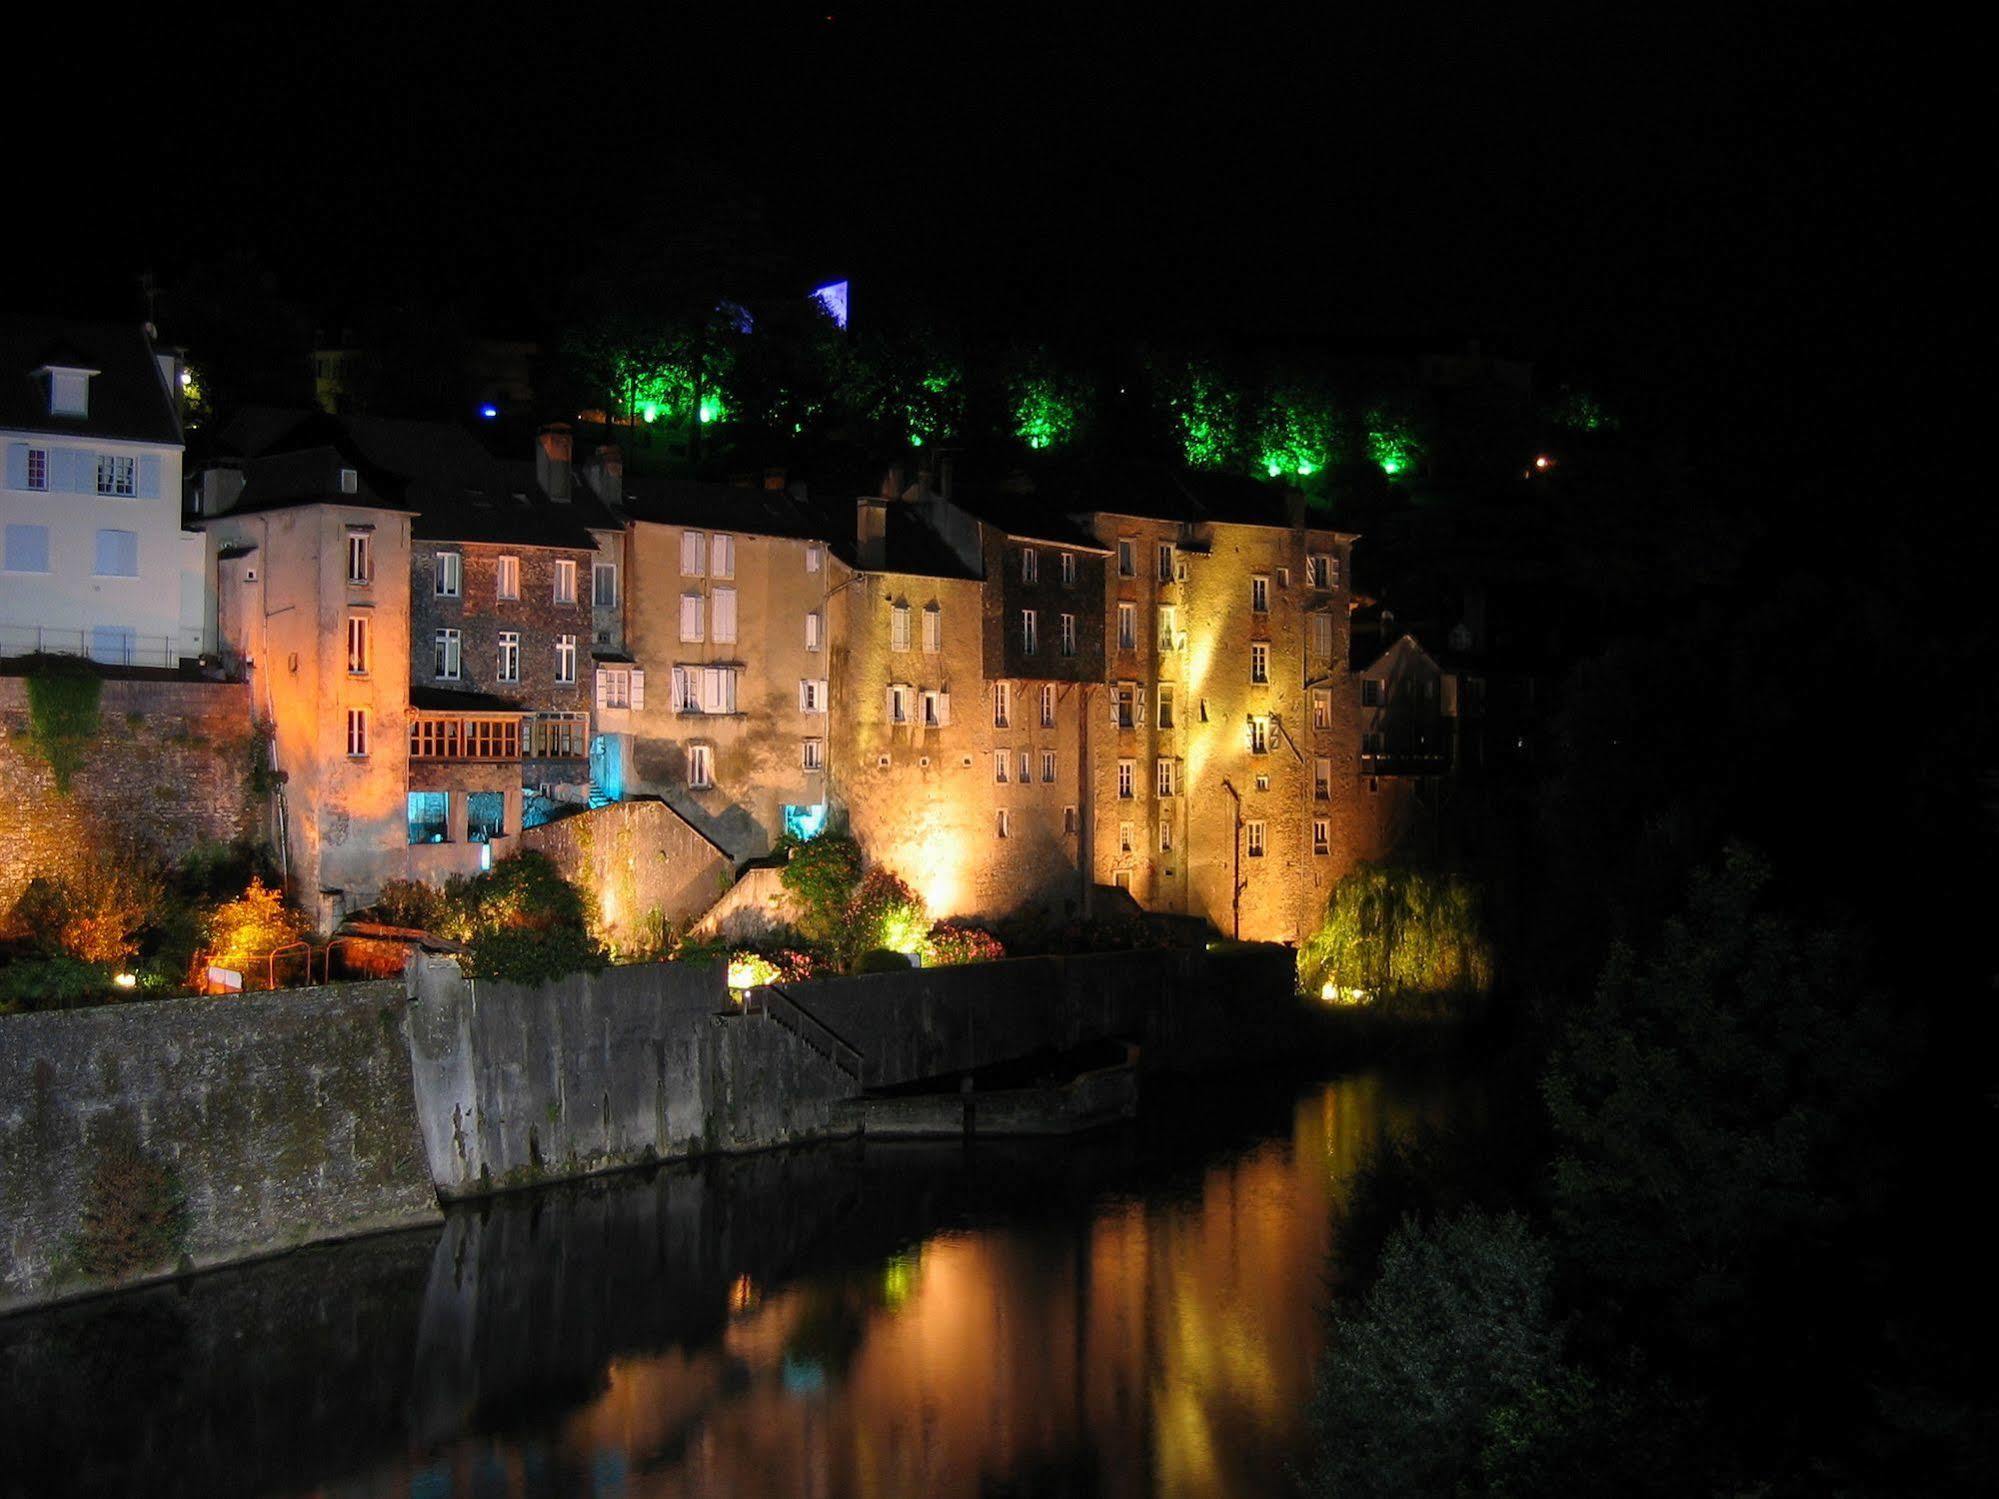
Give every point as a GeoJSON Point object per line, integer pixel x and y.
{"type": "Point", "coordinates": [1190, 1010]}
{"type": "Point", "coordinates": [282, 1118]}
{"type": "Point", "coordinates": [596, 1071]}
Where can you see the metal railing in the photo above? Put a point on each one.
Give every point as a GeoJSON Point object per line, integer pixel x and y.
{"type": "Point", "coordinates": [808, 1027]}
{"type": "Point", "coordinates": [102, 646]}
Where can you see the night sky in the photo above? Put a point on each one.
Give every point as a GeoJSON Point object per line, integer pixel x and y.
{"type": "Point", "coordinates": [1735, 215]}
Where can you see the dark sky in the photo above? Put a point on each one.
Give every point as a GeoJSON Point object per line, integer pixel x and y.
{"type": "Point", "coordinates": [1659, 197]}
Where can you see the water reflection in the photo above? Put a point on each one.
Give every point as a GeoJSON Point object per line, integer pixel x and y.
{"type": "Point", "coordinates": [1134, 1313]}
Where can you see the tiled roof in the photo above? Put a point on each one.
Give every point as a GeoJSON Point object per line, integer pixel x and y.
{"type": "Point", "coordinates": [128, 396]}
{"type": "Point", "coordinates": [724, 507]}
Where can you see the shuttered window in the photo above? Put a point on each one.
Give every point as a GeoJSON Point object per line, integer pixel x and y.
{"type": "Point", "coordinates": [724, 604]}
{"type": "Point", "coordinates": [693, 554]}
{"type": "Point", "coordinates": [690, 616]}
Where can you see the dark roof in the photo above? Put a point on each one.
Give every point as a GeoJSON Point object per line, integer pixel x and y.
{"type": "Point", "coordinates": [457, 490]}
{"type": "Point", "coordinates": [449, 700]}
{"type": "Point", "coordinates": [1028, 516]}
{"type": "Point", "coordinates": [910, 545]}
{"type": "Point", "coordinates": [725, 507]}
{"type": "Point", "coordinates": [128, 396]}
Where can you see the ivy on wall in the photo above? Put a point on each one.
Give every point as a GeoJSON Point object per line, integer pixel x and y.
{"type": "Point", "coordinates": [63, 699]}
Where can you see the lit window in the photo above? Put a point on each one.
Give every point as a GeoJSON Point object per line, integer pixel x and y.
{"type": "Point", "coordinates": [485, 816]}
{"type": "Point", "coordinates": [1165, 705]}
{"type": "Point", "coordinates": [565, 658]}
{"type": "Point", "coordinates": [1168, 617]}
{"type": "Point", "coordinates": [1259, 594]}
{"type": "Point", "coordinates": [1259, 661]}
{"type": "Point", "coordinates": [1322, 837]}
{"type": "Point", "coordinates": [357, 645]}
{"type": "Point", "coordinates": [360, 557]}
{"type": "Point", "coordinates": [1068, 634]}
{"type": "Point", "coordinates": [117, 476]}
{"type": "Point", "coordinates": [1048, 767]}
{"type": "Point", "coordinates": [1255, 832]}
{"type": "Point", "coordinates": [1030, 565]}
{"type": "Point", "coordinates": [1165, 777]}
{"type": "Point", "coordinates": [1259, 736]}
{"type": "Point", "coordinates": [35, 473]}
{"type": "Point", "coordinates": [814, 754]}
{"type": "Point", "coordinates": [700, 766]}
{"type": "Point", "coordinates": [1047, 705]}
{"type": "Point", "coordinates": [357, 733]}
{"type": "Point", "coordinates": [1127, 779]}
{"type": "Point", "coordinates": [444, 656]}
{"type": "Point", "coordinates": [507, 577]}
{"type": "Point", "coordinates": [1322, 710]}
{"type": "Point", "coordinates": [1322, 779]}
{"type": "Point", "coordinates": [565, 581]}
{"type": "Point", "coordinates": [449, 565]}
{"type": "Point", "coordinates": [429, 816]}
{"type": "Point", "coordinates": [1030, 633]}
{"type": "Point", "coordinates": [1002, 705]}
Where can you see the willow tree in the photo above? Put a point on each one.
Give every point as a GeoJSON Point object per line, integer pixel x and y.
{"type": "Point", "coordinates": [1393, 934]}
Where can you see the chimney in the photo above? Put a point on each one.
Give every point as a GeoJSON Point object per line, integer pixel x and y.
{"type": "Point", "coordinates": [551, 461]}
{"type": "Point", "coordinates": [217, 489]}
{"type": "Point", "coordinates": [892, 482]}
{"type": "Point", "coordinates": [774, 479]}
{"type": "Point", "coordinates": [871, 534]}
{"type": "Point", "coordinates": [1294, 509]}
{"type": "Point", "coordinates": [607, 474]}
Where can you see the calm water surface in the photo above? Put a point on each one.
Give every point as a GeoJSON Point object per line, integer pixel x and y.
{"type": "Point", "coordinates": [1135, 1313]}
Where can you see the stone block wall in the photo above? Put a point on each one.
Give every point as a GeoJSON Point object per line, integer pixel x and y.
{"type": "Point", "coordinates": [167, 770]}
{"type": "Point", "coordinates": [279, 1118]}
{"type": "Point", "coordinates": [639, 859]}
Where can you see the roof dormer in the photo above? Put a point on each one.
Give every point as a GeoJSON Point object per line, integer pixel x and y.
{"type": "Point", "coordinates": [69, 388]}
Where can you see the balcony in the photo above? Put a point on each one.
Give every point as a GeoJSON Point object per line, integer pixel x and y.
{"type": "Point", "coordinates": [464, 736]}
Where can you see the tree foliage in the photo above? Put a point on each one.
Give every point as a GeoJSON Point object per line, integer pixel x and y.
{"type": "Point", "coordinates": [242, 932]}
{"type": "Point", "coordinates": [1394, 935]}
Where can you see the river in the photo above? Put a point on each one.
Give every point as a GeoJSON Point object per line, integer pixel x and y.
{"type": "Point", "coordinates": [1133, 1313]}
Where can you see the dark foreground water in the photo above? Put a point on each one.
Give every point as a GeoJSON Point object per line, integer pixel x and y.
{"type": "Point", "coordinates": [1132, 1313]}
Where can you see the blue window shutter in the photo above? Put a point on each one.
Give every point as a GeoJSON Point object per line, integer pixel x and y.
{"type": "Point", "coordinates": [149, 476]}
{"type": "Point", "coordinates": [62, 471]}
{"type": "Point", "coordinates": [17, 465]}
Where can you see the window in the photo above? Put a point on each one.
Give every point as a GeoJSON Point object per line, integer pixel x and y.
{"type": "Point", "coordinates": [692, 607]}
{"type": "Point", "coordinates": [565, 580]}
{"type": "Point", "coordinates": [1322, 779]}
{"type": "Point", "coordinates": [1283, 577]}
{"type": "Point", "coordinates": [722, 556]}
{"type": "Point", "coordinates": [1255, 832]}
{"type": "Point", "coordinates": [559, 736]}
{"type": "Point", "coordinates": [933, 629]}
{"type": "Point", "coordinates": [1259, 594]}
{"type": "Point", "coordinates": [1127, 557]}
{"type": "Point", "coordinates": [811, 695]}
{"type": "Point", "coordinates": [360, 557]}
{"type": "Point", "coordinates": [1002, 705]}
{"type": "Point", "coordinates": [69, 392]}
{"type": "Point", "coordinates": [1127, 627]}
{"type": "Point", "coordinates": [812, 754]}
{"type": "Point", "coordinates": [1069, 822]}
{"type": "Point", "coordinates": [814, 557]}
{"type": "Point", "coordinates": [1322, 837]}
{"type": "Point", "coordinates": [1168, 617]}
{"type": "Point", "coordinates": [1166, 836]}
{"type": "Point", "coordinates": [704, 689]}
{"type": "Point", "coordinates": [1030, 634]}
{"type": "Point", "coordinates": [117, 554]}
{"type": "Point", "coordinates": [429, 816]}
{"type": "Point", "coordinates": [1048, 767]}
{"type": "Point", "coordinates": [485, 816]}
{"type": "Point", "coordinates": [1259, 736]}
{"type": "Point", "coordinates": [1124, 705]}
{"type": "Point", "coordinates": [1127, 779]}
{"type": "Point", "coordinates": [1371, 692]}
{"type": "Point", "coordinates": [1068, 569]}
{"type": "Point", "coordinates": [350, 481]}
{"type": "Point", "coordinates": [1259, 661]}
{"type": "Point", "coordinates": [507, 577]}
{"type": "Point", "coordinates": [357, 733]}
{"type": "Point", "coordinates": [604, 585]}
{"type": "Point", "coordinates": [117, 476]}
{"type": "Point", "coordinates": [1165, 777]}
{"type": "Point", "coordinates": [898, 628]}
{"type": "Point", "coordinates": [35, 470]}
{"type": "Point", "coordinates": [814, 630]}
{"type": "Point", "coordinates": [1047, 705]}
{"type": "Point", "coordinates": [723, 602]}
{"type": "Point", "coordinates": [1004, 824]}
{"type": "Point", "coordinates": [27, 549]}
{"type": "Point", "coordinates": [1321, 570]}
{"type": "Point", "coordinates": [1030, 565]}
{"type": "Point", "coordinates": [700, 766]}
{"type": "Point", "coordinates": [693, 554]}
{"type": "Point", "coordinates": [1124, 838]}
{"type": "Point", "coordinates": [1322, 636]}
{"type": "Point", "coordinates": [448, 571]}
{"type": "Point", "coordinates": [1000, 762]}
{"type": "Point", "coordinates": [1068, 634]}
{"type": "Point", "coordinates": [1026, 772]}
{"type": "Point", "coordinates": [1165, 705]}
{"type": "Point", "coordinates": [357, 645]}
{"type": "Point", "coordinates": [510, 656]}
{"type": "Point", "coordinates": [898, 703]}
{"type": "Point", "coordinates": [1263, 782]}
{"type": "Point", "coordinates": [614, 687]}
{"type": "Point", "coordinates": [1166, 562]}
{"type": "Point", "coordinates": [1322, 710]}
{"type": "Point", "coordinates": [565, 658]}
{"type": "Point", "coordinates": [444, 656]}
{"type": "Point", "coordinates": [936, 708]}
{"type": "Point", "coordinates": [1371, 745]}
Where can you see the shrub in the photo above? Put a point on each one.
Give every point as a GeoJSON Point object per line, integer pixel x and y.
{"type": "Point", "coordinates": [525, 955]}
{"type": "Point", "coordinates": [1396, 935]}
{"type": "Point", "coordinates": [57, 983]}
{"type": "Point", "coordinates": [883, 960]}
{"type": "Point", "coordinates": [413, 904]}
{"type": "Point", "coordinates": [95, 916]}
{"type": "Point", "coordinates": [522, 921]}
{"type": "Point", "coordinates": [884, 913]}
{"type": "Point", "coordinates": [821, 875]}
{"type": "Point", "coordinates": [243, 931]}
{"type": "Point", "coordinates": [952, 943]}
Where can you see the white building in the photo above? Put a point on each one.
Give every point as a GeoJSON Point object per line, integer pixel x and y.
{"type": "Point", "coordinates": [93, 558]}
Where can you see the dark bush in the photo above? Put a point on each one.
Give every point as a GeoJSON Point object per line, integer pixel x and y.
{"type": "Point", "coordinates": [883, 960]}
{"type": "Point", "coordinates": [57, 983]}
